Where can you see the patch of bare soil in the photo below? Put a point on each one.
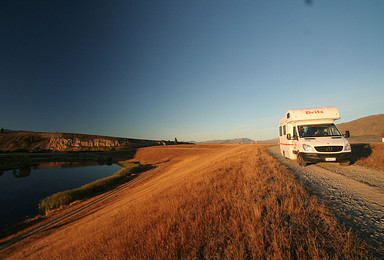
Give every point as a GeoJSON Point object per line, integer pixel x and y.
{"type": "Point", "coordinates": [354, 193]}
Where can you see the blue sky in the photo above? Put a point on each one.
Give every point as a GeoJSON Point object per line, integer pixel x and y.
{"type": "Point", "coordinates": [195, 70]}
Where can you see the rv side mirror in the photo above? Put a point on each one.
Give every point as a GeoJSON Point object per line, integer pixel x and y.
{"type": "Point", "coordinates": [347, 134]}
{"type": "Point", "coordinates": [289, 136]}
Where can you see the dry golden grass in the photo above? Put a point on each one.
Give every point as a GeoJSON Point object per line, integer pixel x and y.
{"type": "Point", "coordinates": [204, 201]}
{"type": "Point", "coordinates": [376, 159]}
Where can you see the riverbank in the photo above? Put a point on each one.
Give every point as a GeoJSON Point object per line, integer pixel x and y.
{"type": "Point", "coordinates": [22, 190]}
{"type": "Point", "coordinates": [56, 196]}
{"type": "Point", "coordinates": [126, 174]}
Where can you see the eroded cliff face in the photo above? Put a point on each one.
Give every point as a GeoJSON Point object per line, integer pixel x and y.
{"type": "Point", "coordinates": [35, 142]}
{"type": "Point", "coordinates": [62, 144]}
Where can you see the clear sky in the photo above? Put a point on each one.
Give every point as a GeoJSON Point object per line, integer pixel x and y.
{"type": "Point", "coordinates": [195, 70]}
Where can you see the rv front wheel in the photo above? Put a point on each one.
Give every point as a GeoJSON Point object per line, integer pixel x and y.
{"type": "Point", "coordinates": [301, 160]}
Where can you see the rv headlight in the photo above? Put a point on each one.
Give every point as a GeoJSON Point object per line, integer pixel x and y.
{"type": "Point", "coordinates": [308, 148]}
{"type": "Point", "coordinates": [347, 147]}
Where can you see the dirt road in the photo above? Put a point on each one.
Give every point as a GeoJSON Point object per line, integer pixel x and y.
{"type": "Point", "coordinates": [354, 193]}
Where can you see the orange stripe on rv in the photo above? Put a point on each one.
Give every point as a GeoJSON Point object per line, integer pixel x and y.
{"type": "Point", "coordinates": [285, 144]}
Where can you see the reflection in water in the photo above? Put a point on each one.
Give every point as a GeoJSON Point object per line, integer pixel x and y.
{"type": "Point", "coordinates": [26, 171]}
{"type": "Point", "coordinates": [44, 165]}
{"type": "Point", "coordinates": [21, 173]}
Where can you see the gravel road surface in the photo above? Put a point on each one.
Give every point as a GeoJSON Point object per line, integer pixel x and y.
{"type": "Point", "coordinates": [354, 193]}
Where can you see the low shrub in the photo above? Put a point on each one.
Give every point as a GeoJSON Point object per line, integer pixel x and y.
{"type": "Point", "coordinates": [101, 160]}
{"type": "Point", "coordinates": [23, 159]}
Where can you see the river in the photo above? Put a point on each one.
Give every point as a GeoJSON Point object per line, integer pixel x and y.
{"type": "Point", "coordinates": [21, 190]}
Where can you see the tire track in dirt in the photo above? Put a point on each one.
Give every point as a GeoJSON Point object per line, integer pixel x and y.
{"type": "Point", "coordinates": [354, 193]}
{"type": "Point", "coordinates": [54, 222]}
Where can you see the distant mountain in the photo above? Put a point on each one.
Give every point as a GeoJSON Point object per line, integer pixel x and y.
{"type": "Point", "coordinates": [270, 141]}
{"type": "Point", "coordinates": [365, 129]}
{"type": "Point", "coordinates": [229, 141]}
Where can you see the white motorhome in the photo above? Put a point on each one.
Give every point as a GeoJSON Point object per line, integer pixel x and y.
{"type": "Point", "coordinates": [310, 136]}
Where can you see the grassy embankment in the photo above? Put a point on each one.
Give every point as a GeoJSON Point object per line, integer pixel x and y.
{"type": "Point", "coordinates": [57, 200]}
{"type": "Point", "coordinates": [204, 202]}
{"type": "Point", "coordinates": [375, 158]}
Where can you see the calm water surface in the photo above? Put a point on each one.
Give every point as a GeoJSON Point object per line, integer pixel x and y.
{"type": "Point", "coordinates": [21, 190]}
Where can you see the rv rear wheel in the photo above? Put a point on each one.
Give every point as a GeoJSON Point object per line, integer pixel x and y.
{"type": "Point", "coordinates": [301, 160]}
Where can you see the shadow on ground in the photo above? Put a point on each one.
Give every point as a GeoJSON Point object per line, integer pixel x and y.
{"type": "Point", "coordinates": [359, 151]}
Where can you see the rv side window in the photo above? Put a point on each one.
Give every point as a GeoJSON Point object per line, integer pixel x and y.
{"type": "Point", "coordinates": [285, 130]}
{"type": "Point", "coordinates": [281, 130]}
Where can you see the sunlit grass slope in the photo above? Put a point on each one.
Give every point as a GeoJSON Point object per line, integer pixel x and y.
{"type": "Point", "coordinates": [204, 201]}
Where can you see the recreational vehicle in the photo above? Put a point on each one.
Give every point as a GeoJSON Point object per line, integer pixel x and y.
{"type": "Point", "coordinates": [310, 136]}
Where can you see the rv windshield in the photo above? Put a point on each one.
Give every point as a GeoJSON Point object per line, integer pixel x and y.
{"type": "Point", "coordinates": [318, 130]}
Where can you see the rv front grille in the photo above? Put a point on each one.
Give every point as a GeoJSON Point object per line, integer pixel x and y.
{"type": "Point", "coordinates": [329, 149]}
